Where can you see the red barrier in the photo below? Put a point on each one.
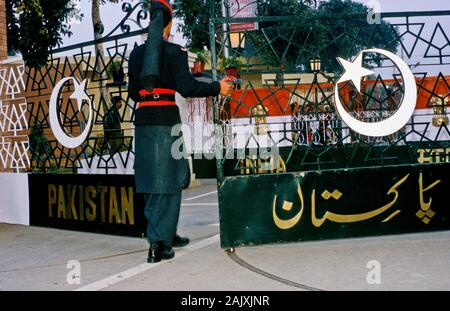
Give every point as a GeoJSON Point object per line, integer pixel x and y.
{"type": "Point", "coordinates": [277, 100]}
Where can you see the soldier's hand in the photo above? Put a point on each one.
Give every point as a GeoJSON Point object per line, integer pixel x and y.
{"type": "Point", "coordinates": [227, 86]}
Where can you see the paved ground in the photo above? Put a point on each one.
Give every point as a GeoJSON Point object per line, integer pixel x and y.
{"type": "Point", "coordinates": [36, 259]}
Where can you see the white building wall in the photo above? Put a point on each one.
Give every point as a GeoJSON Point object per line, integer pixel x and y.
{"type": "Point", "coordinates": [14, 199]}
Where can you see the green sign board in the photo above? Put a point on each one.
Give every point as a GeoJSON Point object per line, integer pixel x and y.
{"type": "Point", "coordinates": [293, 207]}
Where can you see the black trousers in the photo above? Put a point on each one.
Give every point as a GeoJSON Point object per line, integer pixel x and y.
{"type": "Point", "coordinates": [162, 212]}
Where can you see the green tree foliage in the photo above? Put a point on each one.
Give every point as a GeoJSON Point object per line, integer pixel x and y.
{"type": "Point", "coordinates": [315, 32]}
{"type": "Point", "coordinates": [195, 21]}
{"type": "Point", "coordinates": [322, 33]}
{"type": "Point", "coordinates": [195, 16]}
{"type": "Point", "coordinates": [35, 26]}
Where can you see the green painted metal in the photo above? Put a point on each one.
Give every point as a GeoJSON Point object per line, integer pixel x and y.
{"type": "Point", "coordinates": [248, 204]}
{"type": "Point", "coordinates": [277, 39]}
{"type": "Point", "coordinates": [364, 169]}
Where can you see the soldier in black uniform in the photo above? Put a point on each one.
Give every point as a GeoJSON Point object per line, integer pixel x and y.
{"type": "Point", "coordinates": [158, 69]}
{"type": "Point", "coordinates": [112, 126]}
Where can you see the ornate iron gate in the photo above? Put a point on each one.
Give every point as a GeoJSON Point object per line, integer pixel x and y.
{"type": "Point", "coordinates": [103, 64]}
{"type": "Point", "coordinates": [289, 169]}
{"type": "Point", "coordinates": [84, 188]}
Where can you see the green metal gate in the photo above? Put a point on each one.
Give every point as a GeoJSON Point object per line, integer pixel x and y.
{"type": "Point", "coordinates": [289, 169]}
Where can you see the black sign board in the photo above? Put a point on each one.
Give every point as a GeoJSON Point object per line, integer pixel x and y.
{"type": "Point", "coordinates": [265, 209]}
{"type": "Point", "coordinates": [92, 203]}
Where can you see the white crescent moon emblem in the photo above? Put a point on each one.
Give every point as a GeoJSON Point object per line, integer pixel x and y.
{"type": "Point", "coordinates": [60, 134]}
{"type": "Point", "coordinates": [400, 118]}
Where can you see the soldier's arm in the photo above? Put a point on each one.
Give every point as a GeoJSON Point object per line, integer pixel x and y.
{"type": "Point", "coordinates": [185, 83]}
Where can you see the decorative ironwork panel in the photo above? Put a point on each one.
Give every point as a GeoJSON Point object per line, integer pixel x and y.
{"type": "Point", "coordinates": [102, 65]}
{"type": "Point", "coordinates": [284, 116]}
{"type": "Point", "coordinates": [13, 119]}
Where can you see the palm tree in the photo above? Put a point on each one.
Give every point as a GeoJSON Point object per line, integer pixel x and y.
{"type": "Point", "coordinates": [97, 26]}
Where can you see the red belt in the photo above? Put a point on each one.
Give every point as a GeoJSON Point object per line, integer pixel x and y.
{"type": "Point", "coordinates": [158, 97]}
{"type": "Point", "coordinates": [156, 104]}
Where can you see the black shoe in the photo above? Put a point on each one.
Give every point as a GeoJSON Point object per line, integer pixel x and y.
{"type": "Point", "coordinates": [167, 253]}
{"type": "Point", "coordinates": [179, 241]}
{"type": "Point", "coordinates": [155, 252]}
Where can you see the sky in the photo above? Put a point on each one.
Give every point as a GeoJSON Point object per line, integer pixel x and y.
{"type": "Point", "coordinates": [112, 15]}
{"type": "Point", "coordinates": [411, 5]}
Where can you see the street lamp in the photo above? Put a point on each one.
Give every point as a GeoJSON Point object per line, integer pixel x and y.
{"type": "Point", "coordinates": [315, 64]}
{"type": "Point", "coordinates": [439, 112]}
{"type": "Point", "coordinates": [237, 40]}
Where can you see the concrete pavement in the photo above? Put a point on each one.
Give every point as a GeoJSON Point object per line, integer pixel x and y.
{"type": "Point", "coordinates": [35, 258]}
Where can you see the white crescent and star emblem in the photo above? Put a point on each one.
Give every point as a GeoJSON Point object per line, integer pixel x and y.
{"type": "Point", "coordinates": [354, 71]}
{"type": "Point", "coordinates": [79, 94]}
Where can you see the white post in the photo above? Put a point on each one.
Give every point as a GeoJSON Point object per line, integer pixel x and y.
{"type": "Point", "coordinates": [225, 13]}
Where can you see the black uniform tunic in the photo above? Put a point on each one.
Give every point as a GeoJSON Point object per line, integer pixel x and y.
{"type": "Point", "coordinates": [156, 171]}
